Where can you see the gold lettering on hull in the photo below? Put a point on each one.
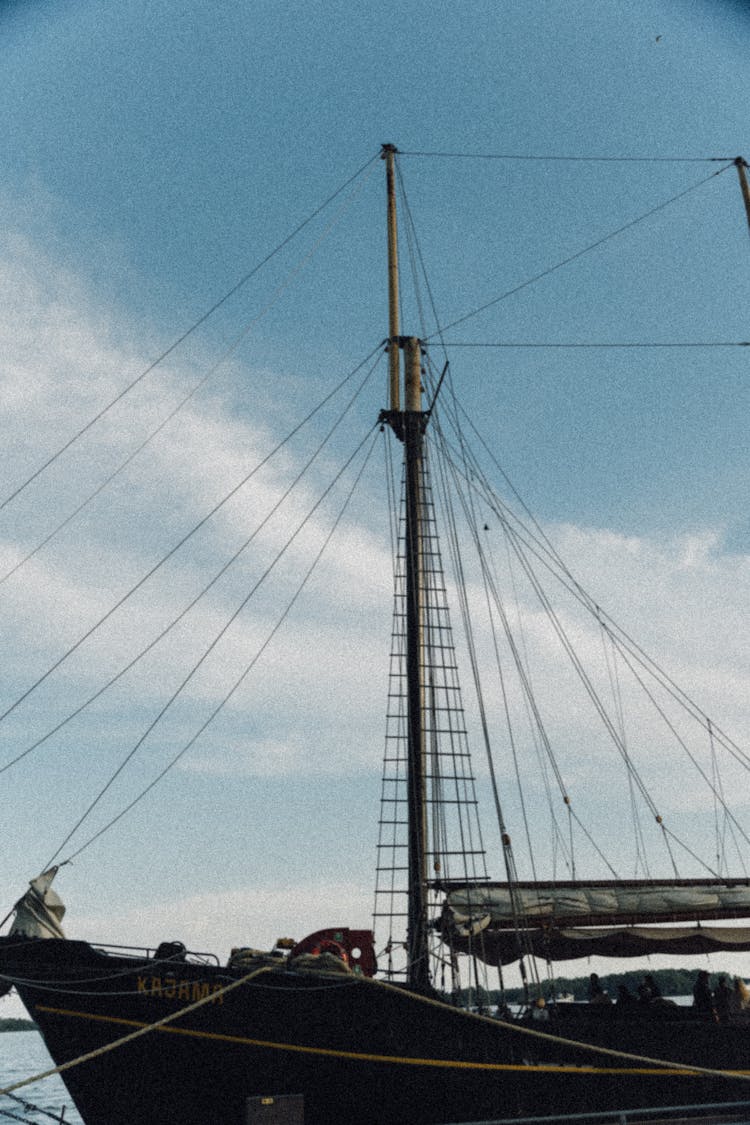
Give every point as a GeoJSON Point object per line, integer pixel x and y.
{"type": "Point", "coordinates": [186, 991]}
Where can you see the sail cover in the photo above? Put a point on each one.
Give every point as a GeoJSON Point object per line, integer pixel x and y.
{"type": "Point", "coordinates": [604, 903]}
{"type": "Point", "coordinates": [40, 911]}
{"type": "Point", "coordinates": [561, 921]}
{"type": "Point", "coordinates": [503, 947]}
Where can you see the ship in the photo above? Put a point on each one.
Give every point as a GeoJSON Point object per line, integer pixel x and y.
{"type": "Point", "coordinates": [390, 1025]}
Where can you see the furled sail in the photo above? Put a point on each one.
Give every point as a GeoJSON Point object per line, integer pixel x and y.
{"type": "Point", "coordinates": [40, 911]}
{"type": "Point", "coordinates": [503, 947]}
{"type": "Point", "coordinates": [562, 921]}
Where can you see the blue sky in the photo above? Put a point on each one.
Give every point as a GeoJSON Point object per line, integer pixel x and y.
{"type": "Point", "coordinates": [166, 148]}
{"type": "Point", "coordinates": [153, 153]}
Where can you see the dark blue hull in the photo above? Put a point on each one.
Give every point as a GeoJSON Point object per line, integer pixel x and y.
{"type": "Point", "coordinates": [359, 1052]}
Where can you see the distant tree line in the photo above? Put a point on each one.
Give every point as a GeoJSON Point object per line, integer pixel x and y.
{"type": "Point", "coordinates": [671, 982]}
{"type": "Point", "coordinates": [17, 1025]}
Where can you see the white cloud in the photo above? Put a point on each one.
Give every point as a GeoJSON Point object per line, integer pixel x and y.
{"type": "Point", "coordinates": [314, 706]}
{"type": "Point", "coordinates": [218, 920]}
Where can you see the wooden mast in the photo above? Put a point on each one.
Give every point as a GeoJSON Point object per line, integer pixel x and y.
{"type": "Point", "coordinates": [394, 356]}
{"type": "Point", "coordinates": [409, 426]}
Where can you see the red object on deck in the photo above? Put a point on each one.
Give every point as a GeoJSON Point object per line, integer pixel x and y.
{"type": "Point", "coordinates": [358, 945]}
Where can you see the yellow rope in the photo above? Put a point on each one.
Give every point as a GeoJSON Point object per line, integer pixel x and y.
{"type": "Point", "coordinates": [662, 1065]}
{"type": "Point", "coordinates": [560, 1040]}
{"type": "Point", "coordinates": [210, 998]}
{"type": "Point", "coordinates": [392, 1060]}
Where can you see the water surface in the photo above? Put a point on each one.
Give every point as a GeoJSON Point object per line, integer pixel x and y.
{"type": "Point", "coordinates": [22, 1053]}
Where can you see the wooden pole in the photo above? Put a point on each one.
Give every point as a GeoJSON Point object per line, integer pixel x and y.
{"type": "Point", "coordinates": [394, 351]}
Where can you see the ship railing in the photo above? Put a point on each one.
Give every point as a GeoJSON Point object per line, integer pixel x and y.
{"type": "Point", "coordinates": [158, 952]}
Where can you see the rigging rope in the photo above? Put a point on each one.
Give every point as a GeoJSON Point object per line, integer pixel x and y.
{"type": "Point", "coordinates": [183, 613]}
{"type": "Point", "coordinates": [619, 739]}
{"type": "Point", "coordinates": [571, 815]}
{"type": "Point", "coordinates": [545, 552]}
{"type": "Point", "coordinates": [382, 872]}
{"type": "Point", "coordinates": [17, 1117]}
{"type": "Point", "coordinates": [196, 324]}
{"type": "Point", "coordinates": [209, 649]}
{"type": "Point", "coordinates": [29, 1107]}
{"type": "Point", "coordinates": [579, 253]}
{"type": "Point", "coordinates": [447, 474]}
{"type": "Point", "coordinates": [576, 159]}
{"type": "Point", "coordinates": [163, 1022]}
{"type": "Point", "coordinates": [240, 680]}
{"type": "Point", "coordinates": [594, 344]}
{"type": "Point", "coordinates": [593, 695]}
{"type": "Point", "coordinates": [449, 517]}
{"type": "Point", "coordinates": [458, 1064]}
{"type": "Point", "coordinates": [468, 473]}
{"type": "Point", "coordinates": [540, 545]}
{"type": "Point", "coordinates": [226, 354]}
{"type": "Point", "coordinates": [528, 1032]}
{"type": "Point", "coordinates": [181, 542]}
{"type": "Point", "coordinates": [610, 659]}
{"type": "Point", "coordinates": [512, 741]}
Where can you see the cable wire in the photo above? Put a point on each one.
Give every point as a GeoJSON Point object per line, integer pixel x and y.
{"type": "Point", "coordinates": [183, 613]}
{"type": "Point", "coordinates": [579, 253]}
{"type": "Point", "coordinates": [157, 566]}
{"type": "Point", "coordinates": [575, 159]}
{"type": "Point", "coordinates": [176, 343]}
{"type": "Point", "coordinates": [29, 1107]}
{"type": "Point", "coordinates": [236, 685]}
{"type": "Point", "coordinates": [228, 352]}
{"type": "Point", "coordinates": [593, 344]}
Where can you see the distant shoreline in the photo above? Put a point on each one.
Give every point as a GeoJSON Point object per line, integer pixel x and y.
{"type": "Point", "coordinates": [17, 1025]}
{"type": "Point", "coordinates": [671, 982]}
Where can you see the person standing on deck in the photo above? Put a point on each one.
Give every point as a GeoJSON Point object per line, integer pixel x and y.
{"type": "Point", "coordinates": [703, 997]}
{"type": "Point", "coordinates": [723, 1000]}
{"type": "Point", "coordinates": [597, 995]}
{"type": "Point", "coordinates": [653, 988]}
